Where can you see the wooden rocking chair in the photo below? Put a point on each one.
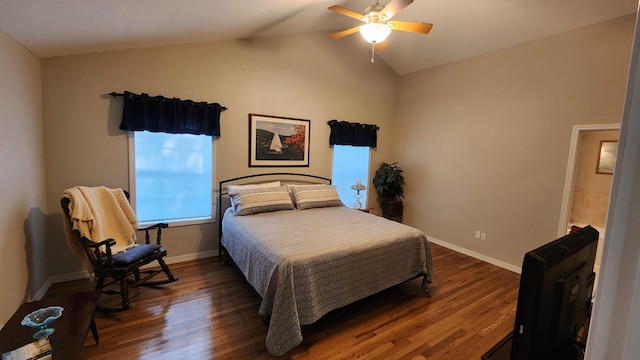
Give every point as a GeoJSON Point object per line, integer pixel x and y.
{"type": "Point", "coordinates": [123, 267]}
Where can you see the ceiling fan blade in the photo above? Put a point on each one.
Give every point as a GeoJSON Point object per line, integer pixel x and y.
{"type": "Point", "coordinates": [394, 7]}
{"type": "Point", "coordinates": [381, 46]}
{"type": "Point", "coordinates": [344, 11]}
{"type": "Point", "coordinates": [420, 28]}
{"type": "Point", "coordinates": [344, 33]}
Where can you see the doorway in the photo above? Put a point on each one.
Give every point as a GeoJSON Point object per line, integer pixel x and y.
{"type": "Point", "coordinates": [586, 193]}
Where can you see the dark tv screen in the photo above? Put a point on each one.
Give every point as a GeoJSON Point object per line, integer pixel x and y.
{"type": "Point", "coordinates": [556, 288]}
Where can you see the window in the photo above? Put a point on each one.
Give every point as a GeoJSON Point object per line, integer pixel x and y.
{"type": "Point", "coordinates": [171, 177]}
{"type": "Point", "coordinates": [350, 163]}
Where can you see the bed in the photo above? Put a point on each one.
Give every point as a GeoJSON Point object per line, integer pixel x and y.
{"type": "Point", "coordinates": [315, 256]}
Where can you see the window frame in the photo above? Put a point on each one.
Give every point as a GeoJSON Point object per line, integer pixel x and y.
{"type": "Point", "coordinates": [365, 181]}
{"type": "Point", "coordinates": [171, 222]}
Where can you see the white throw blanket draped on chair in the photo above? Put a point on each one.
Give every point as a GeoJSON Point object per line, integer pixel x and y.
{"type": "Point", "coordinates": [100, 213]}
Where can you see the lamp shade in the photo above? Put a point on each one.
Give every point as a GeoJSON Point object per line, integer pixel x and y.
{"type": "Point", "coordinates": [358, 186]}
{"type": "Point", "coordinates": [375, 33]}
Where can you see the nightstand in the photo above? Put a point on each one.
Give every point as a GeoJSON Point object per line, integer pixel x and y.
{"type": "Point", "coordinates": [367, 210]}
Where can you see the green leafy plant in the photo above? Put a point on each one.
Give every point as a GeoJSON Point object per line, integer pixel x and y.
{"type": "Point", "coordinates": [389, 182]}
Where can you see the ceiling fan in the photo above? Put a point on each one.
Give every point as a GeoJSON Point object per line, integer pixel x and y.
{"type": "Point", "coordinates": [378, 24]}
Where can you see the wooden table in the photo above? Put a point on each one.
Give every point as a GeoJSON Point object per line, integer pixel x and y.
{"type": "Point", "coordinates": [71, 327]}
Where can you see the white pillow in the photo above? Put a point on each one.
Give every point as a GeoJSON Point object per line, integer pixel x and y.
{"type": "Point", "coordinates": [315, 196]}
{"type": "Point", "coordinates": [260, 199]}
{"type": "Point", "coordinates": [233, 188]}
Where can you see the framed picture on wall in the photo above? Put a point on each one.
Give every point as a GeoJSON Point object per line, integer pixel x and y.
{"type": "Point", "coordinates": [276, 141]}
{"type": "Point", "coordinates": [607, 156]}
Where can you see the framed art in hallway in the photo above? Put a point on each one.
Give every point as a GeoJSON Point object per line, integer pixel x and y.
{"type": "Point", "coordinates": [607, 156]}
{"type": "Point", "coordinates": [276, 141]}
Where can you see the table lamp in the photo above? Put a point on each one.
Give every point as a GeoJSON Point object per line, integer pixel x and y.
{"type": "Point", "coordinates": [357, 187]}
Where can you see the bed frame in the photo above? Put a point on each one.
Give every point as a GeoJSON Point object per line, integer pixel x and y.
{"type": "Point", "coordinates": [258, 178]}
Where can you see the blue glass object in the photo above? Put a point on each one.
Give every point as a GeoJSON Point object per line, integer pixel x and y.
{"type": "Point", "coordinates": [40, 319]}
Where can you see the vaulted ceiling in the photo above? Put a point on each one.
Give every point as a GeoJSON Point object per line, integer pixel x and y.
{"type": "Point", "coordinates": [461, 28]}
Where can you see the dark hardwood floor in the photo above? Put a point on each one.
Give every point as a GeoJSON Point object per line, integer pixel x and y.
{"type": "Point", "coordinates": [212, 313]}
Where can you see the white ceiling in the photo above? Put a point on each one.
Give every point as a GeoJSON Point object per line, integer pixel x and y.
{"type": "Point", "coordinates": [462, 28]}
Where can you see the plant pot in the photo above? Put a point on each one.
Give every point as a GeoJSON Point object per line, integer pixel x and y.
{"type": "Point", "coordinates": [392, 209]}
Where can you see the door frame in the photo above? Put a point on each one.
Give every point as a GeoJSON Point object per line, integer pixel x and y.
{"type": "Point", "coordinates": [572, 163]}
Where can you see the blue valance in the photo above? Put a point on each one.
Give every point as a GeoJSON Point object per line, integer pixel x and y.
{"type": "Point", "coordinates": [170, 115]}
{"type": "Point", "coordinates": [354, 134]}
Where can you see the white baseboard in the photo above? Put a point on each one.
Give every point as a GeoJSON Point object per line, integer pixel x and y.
{"type": "Point", "coordinates": [84, 274]}
{"type": "Point", "coordinates": [476, 255]}
{"type": "Point", "coordinates": [59, 279]}
{"type": "Point", "coordinates": [213, 253]}
{"type": "Point", "coordinates": [189, 257]}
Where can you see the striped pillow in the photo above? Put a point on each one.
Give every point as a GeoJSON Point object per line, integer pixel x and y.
{"type": "Point", "coordinates": [234, 188]}
{"type": "Point", "coordinates": [315, 196]}
{"type": "Point", "coordinates": [260, 199]}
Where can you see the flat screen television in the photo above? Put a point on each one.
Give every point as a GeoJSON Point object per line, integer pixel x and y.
{"type": "Point", "coordinates": [556, 288]}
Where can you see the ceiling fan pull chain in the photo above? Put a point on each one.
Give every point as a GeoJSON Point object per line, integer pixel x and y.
{"type": "Point", "coordinates": [373, 51]}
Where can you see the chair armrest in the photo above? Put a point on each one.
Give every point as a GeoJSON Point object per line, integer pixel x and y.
{"type": "Point", "coordinates": [108, 243]}
{"type": "Point", "coordinates": [159, 227]}
{"type": "Point", "coordinates": [93, 250]}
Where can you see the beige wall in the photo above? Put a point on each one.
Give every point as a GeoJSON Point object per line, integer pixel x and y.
{"type": "Point", "coordinates": [484, 141]}
{"type": "Point", "coordinates": [590, 199]}
{"type": "Point", "coordinates": [301, 76]}
{"type": "Point", "coordinates": [24, 249]}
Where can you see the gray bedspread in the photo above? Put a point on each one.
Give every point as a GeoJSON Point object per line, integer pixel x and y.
{"type": "Point", "coordinates": [305, 263]}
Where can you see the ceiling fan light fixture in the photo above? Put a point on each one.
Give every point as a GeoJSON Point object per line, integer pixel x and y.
{"type": "Point", "coordinates": [375, 33]}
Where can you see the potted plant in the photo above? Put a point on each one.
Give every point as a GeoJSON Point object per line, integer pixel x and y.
{"type": "Point", "coordinates": [389, 184]}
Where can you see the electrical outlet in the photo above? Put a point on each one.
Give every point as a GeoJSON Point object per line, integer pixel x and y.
{"type": "Point", "coordinates": [483, 236]}
{"type": "Point", "coordinates": [477, 235]}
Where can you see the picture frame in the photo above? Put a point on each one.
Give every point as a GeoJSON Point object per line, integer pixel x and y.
{"type": "Point", "coordinates": [607, 157]}
{"type": "Point", "coordinates": [276, 141]}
